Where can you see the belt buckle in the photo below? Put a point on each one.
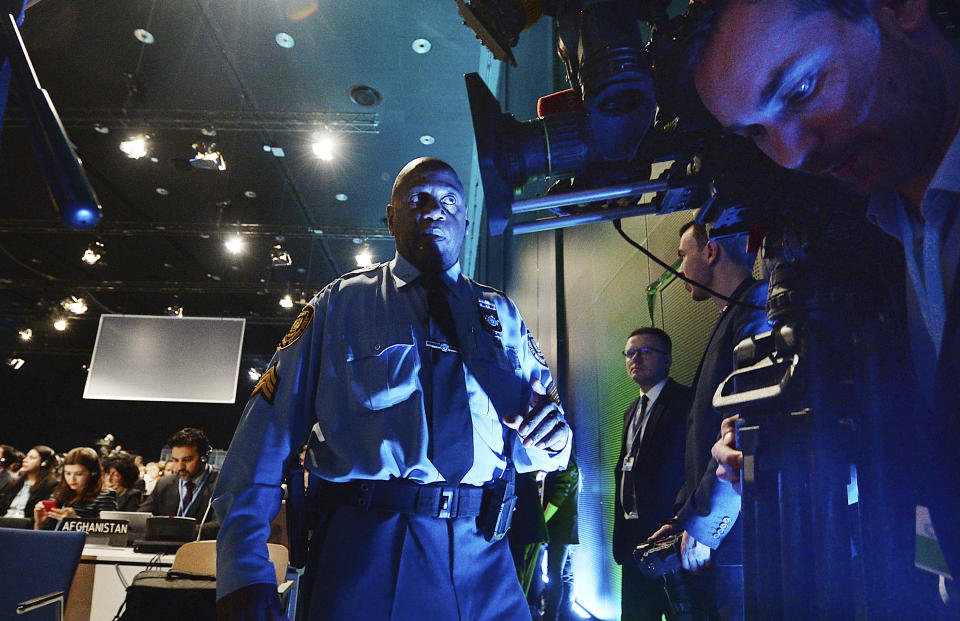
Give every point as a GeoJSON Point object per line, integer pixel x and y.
{"type": "Point", "coordinates": [446, 500]}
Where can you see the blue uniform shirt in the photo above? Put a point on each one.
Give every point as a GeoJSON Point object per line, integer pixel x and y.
{"type": "Point", "coordinates": [347, 375]}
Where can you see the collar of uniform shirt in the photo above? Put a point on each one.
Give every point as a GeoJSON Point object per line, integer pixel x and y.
{"type": "Point", "coordinates": [405, 273]}
{"type": "Point", "coordinates": [654, 392]}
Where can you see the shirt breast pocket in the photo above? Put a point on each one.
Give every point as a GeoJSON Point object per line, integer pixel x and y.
{"type": "Point", "coordinates": [494, 354]}
{"type": "Point", "coordinates": [382, 367]}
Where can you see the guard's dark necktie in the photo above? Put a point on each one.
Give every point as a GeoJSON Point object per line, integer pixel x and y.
{"type": "Point", "coordinates": [628, 497]}
{"type": "Point", "coordinates": [448, 408]}
{"type": "Point", "coordinates": [187, 495]}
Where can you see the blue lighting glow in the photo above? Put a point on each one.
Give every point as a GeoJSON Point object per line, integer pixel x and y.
{"type": "Point", "coordinates": [81, 215]}
{"type": "Point", "coordinates": [579, 611]}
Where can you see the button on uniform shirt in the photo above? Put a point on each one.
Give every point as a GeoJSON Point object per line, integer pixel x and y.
{"type": "Point", "coordinates": [347, 375]}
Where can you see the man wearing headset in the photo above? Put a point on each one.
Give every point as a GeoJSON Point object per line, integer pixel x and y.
{"type": "Point", "coordinates": [187, 494]}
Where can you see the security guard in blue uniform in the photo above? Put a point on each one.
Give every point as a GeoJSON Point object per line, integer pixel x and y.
{"type": "Point", "coordinates": [421, 392]}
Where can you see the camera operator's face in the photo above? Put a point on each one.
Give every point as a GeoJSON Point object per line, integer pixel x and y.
{"type": "Point", "coordinates": [694, 265]}
{"type": "Point", "coordinates": [857, 101]}
{"type": "Point", "coordinates": [428, 218]}
{"type": "Point", "coordinates": [186, 461]}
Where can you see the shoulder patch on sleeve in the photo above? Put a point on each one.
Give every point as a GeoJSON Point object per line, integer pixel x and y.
{"type": "Point", "coordinates": [298, 328]}
{"type": "Point", "coordinates": [267, 385]}
{"type": "Point", "coordinates": [535, 349]}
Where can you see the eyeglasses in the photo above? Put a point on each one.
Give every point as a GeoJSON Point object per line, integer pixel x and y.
{"type": "Point", "coordinates": [643, 351]}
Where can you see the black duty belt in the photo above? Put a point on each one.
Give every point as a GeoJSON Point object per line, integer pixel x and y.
{"type": "Point", "coordinates": [400, 496]}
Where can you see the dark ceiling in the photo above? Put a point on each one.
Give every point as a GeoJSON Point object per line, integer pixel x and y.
{"type": "Point", "coordinates": [217, 65]}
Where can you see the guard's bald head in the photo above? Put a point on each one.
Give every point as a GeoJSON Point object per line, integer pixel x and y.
{"type": "Point", "coordinates": [421, 165]}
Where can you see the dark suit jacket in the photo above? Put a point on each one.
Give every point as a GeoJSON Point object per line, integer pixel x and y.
{"type": "Point", "coordinates": [657, 472]}
{"type": "Point", "coordinates": [165, 499]}
{"type": "Point", "coordinates": [129, 500]}
{"type": "Point", "coordinates": [41, 491]}
{"type": "Point", "coordinates": [703, 424]}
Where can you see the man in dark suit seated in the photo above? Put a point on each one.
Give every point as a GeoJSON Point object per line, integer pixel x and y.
{"type": "Point", "coordinates": [650, 469]}
{"type": "Point", "coordinates": [188, 493]}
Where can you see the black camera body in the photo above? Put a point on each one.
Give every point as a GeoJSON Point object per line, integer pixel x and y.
{"type": "Point", "coordinates": [658, 558]}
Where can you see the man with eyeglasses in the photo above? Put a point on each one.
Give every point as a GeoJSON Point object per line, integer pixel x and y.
{"type": "Point", "coordinates": [650, 468]}
{"type": "Point", "coordinates": [721, 269]}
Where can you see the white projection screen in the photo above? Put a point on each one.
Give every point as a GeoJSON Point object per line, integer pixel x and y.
{"type": "Point", "coordinates": [147, 358]}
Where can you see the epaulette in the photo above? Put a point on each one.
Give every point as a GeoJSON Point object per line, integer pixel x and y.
{"type": "Point", "coordinates": [488, 288]}
{"type": "Point", "coordinates": [362, 270]}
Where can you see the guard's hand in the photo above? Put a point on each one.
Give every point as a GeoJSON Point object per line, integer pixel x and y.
{"type": "Point", "coordinates": [670, 528]}
{"type": "Point", "coordinates": [542, 426]}
{"type": "Point", "coordinates": [694, 556]}
{"type": "Point", "coordinates": [729, 459]}
{"type": "Point", "coordinates": [255, 602]}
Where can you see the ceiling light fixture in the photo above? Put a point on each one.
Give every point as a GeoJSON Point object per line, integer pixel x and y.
{"type": "Point", "coordinates": [280, 257]}
{"type": "Point", "coordinates": [323, 147]}
{"type": "Point", "coordinates": [234, 245]}
{"type": "Point", "coordinates": [207, 157]}
{"type": "Point", "coordinates": [364, 258]}
{"type": "Point", "coordinates": [253, 374]}
{"type": "Point", "coordinates": [143, 36]}
{"type": "Point", "coordinates": [284, 40]}
{"type": "Point", "coordinates": [74, 305]}
{"type": "Point", "coordinates": [427, 139]}
{"type": "Point", "coordinates": [175, 310]}
{"type": "Point", "coordinates": [100, 128]}
{"type": "Point", "coordinates": [15, 363]}
{"type": "Point", "coordinates": [364, 95]}
{"type": "Point", "coordinates": [135, 147]}
{"type": "Point", "coordinates": [421, 46]}
{"type": "Point", "coordinates": [286, 301]}
{"type": "Point", "coordinates": [60, 325]}
{"type": "Point", "coordinates": [341, 197]}
{"type": "Point", "coordinates": [93, 253]}
{"type": "Point", "coordinates": [274, 148]}
{"type": "Point", "coordinates": [26, 334]}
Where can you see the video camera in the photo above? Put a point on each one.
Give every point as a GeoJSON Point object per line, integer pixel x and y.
{"type": "Point", "coordinates": [629, 125]}
{"type": "Point", "coordinates": [660, 560]}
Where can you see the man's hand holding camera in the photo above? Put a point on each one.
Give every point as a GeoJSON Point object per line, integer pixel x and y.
{"type": "Point", "coordinates": [694, 555]}
{"type": "Point", "coordinates": [729, 459]}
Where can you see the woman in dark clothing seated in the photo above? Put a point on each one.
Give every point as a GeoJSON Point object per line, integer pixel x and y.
{"type": "Point", "coordinates": [121, 474]}
{"type": "Point", "coordinates": [80, 492]}
{"type": "Point", "coordinates": [35, 481]}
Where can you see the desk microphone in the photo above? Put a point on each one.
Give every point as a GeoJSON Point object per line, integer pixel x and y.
{"type": "Point", "coordinates": [205, 514]}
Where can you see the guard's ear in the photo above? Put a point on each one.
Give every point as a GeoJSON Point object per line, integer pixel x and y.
{"type": "Point", "coordinates": [390, 217]}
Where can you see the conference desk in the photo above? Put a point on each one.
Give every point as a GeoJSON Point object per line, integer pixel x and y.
{"type": "Point", "coordinates": [99, 587]}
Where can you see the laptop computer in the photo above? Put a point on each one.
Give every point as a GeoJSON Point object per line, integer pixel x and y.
{"type": "Point", "coordinates": [136, 523]}
{"type": "Point", "coordinates": [166, 534]}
